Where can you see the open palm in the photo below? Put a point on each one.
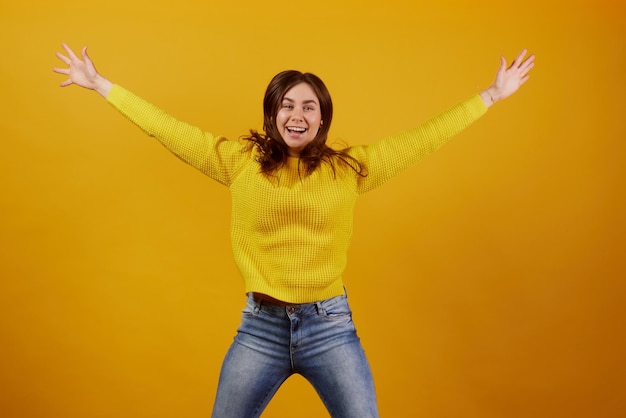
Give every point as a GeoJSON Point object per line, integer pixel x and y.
{"type": "Point", "coordinates": [508, 80]}
{"type": "Point", "coordinates": [80, 72]}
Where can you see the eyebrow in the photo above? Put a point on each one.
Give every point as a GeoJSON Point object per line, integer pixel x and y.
{"type": "Point", "coordinates": [305, 102]}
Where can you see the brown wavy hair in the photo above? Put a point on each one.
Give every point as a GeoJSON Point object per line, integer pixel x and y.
{"type": "Point", "coordinates": [272, 149]}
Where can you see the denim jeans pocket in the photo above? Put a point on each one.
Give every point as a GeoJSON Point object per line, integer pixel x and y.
{"type": "Point", "coordinates": [251, 309]}
{"type": "Point", "coordinates": [336, 308]}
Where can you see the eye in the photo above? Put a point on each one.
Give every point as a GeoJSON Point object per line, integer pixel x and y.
{"type": "Point", "coordinates": [287, 106]}
{"type": "Point", "coordinates": [308, 108]}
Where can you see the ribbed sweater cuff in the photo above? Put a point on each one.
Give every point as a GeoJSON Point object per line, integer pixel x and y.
{"type": "Point", "coordinates": [116, 95]}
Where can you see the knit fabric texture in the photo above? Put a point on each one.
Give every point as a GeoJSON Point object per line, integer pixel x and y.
{"type": "Point", "coordinates": [290, 233]}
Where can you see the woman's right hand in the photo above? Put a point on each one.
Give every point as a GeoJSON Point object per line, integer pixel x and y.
{"type": "Point", "coordinates": [82, 72]}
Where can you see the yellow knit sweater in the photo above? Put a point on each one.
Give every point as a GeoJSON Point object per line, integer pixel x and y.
{"type": "Point", "coordinates": [290, 234]}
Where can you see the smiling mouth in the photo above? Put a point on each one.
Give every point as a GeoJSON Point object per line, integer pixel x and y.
{"type": "Point", "coordinates": [296, 129]}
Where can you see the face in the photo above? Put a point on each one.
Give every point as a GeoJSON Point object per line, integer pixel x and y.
{"type": "Point", "coordinates": [299, 117]}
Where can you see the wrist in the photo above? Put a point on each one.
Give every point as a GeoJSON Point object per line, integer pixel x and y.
{"type": "Point", "coordinates": [489, 96]}
{"type": "Point", "coordinates": [102, 85]}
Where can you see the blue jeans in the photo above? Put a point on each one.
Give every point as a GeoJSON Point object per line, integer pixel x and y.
{"type": "Point", "coordinates": [317, 340]}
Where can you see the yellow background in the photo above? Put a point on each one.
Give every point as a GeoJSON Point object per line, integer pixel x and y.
{"type": "Point", "coordinates": [486, 282]}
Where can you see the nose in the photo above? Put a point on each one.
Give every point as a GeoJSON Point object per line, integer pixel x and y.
{"type": "Point", "coordinates": [296, 114]}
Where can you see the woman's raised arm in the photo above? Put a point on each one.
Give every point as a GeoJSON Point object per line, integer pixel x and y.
{"type": "Point", "coordinates": [83, 72]}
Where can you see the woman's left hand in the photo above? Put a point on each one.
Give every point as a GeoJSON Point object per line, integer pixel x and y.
{"type": "Point", "coordinates": [508, 80]}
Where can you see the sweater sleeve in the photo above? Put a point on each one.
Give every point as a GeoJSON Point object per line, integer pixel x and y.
{"type": "Point", "coordinates": [392, 155]}
{"type": "Point", "coordinates": [216, 157]}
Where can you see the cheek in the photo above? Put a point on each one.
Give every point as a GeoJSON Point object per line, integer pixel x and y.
{"type": "Point", "coordinates": [280, 119]}
{"type": "Point", "coordinates": [318, 121]}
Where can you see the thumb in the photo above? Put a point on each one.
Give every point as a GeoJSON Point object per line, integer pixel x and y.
{"type": "Point", "coordinates": [502, 64]}
{"type": "Point", "coordinates": [85, 56]}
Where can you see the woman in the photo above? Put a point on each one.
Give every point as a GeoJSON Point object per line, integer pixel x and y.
{"type": "Point", "coordinates": [292, 212]}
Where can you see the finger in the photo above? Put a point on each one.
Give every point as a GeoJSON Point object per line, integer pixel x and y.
{"type": "Point", "coordinates": [63, 58]}
{"type": "Point", "coordinates": [519, 58]}
{"type": "Point", "coordinates": [69, 51]}
{"type": "Point", "coordinates": [86, 56]}
{"type": "Point", "coordinates": [528, 63]}
{"type": "Point", "coordinates": [66, 83]}
{"type": "Point", "coordinates": [61, 71]}
{"type": "Point", "coordinates": [502, 67]}
{"type": "Point", "coordinates": [524, 79]}
{"type": "Point", "coordinates": [527, 67]}
{"type": "Point", "coordinates": [83, 52]}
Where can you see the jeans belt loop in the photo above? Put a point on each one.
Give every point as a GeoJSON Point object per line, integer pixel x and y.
{"type": "Point", "coordinates": [320, 309]}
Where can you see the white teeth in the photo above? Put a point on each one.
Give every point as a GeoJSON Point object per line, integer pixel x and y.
{"type": "Point", "coordinates": [296, 129]}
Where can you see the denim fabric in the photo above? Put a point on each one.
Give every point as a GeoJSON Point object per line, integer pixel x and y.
{"type": "Point", "coordinates": [317, 340]}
